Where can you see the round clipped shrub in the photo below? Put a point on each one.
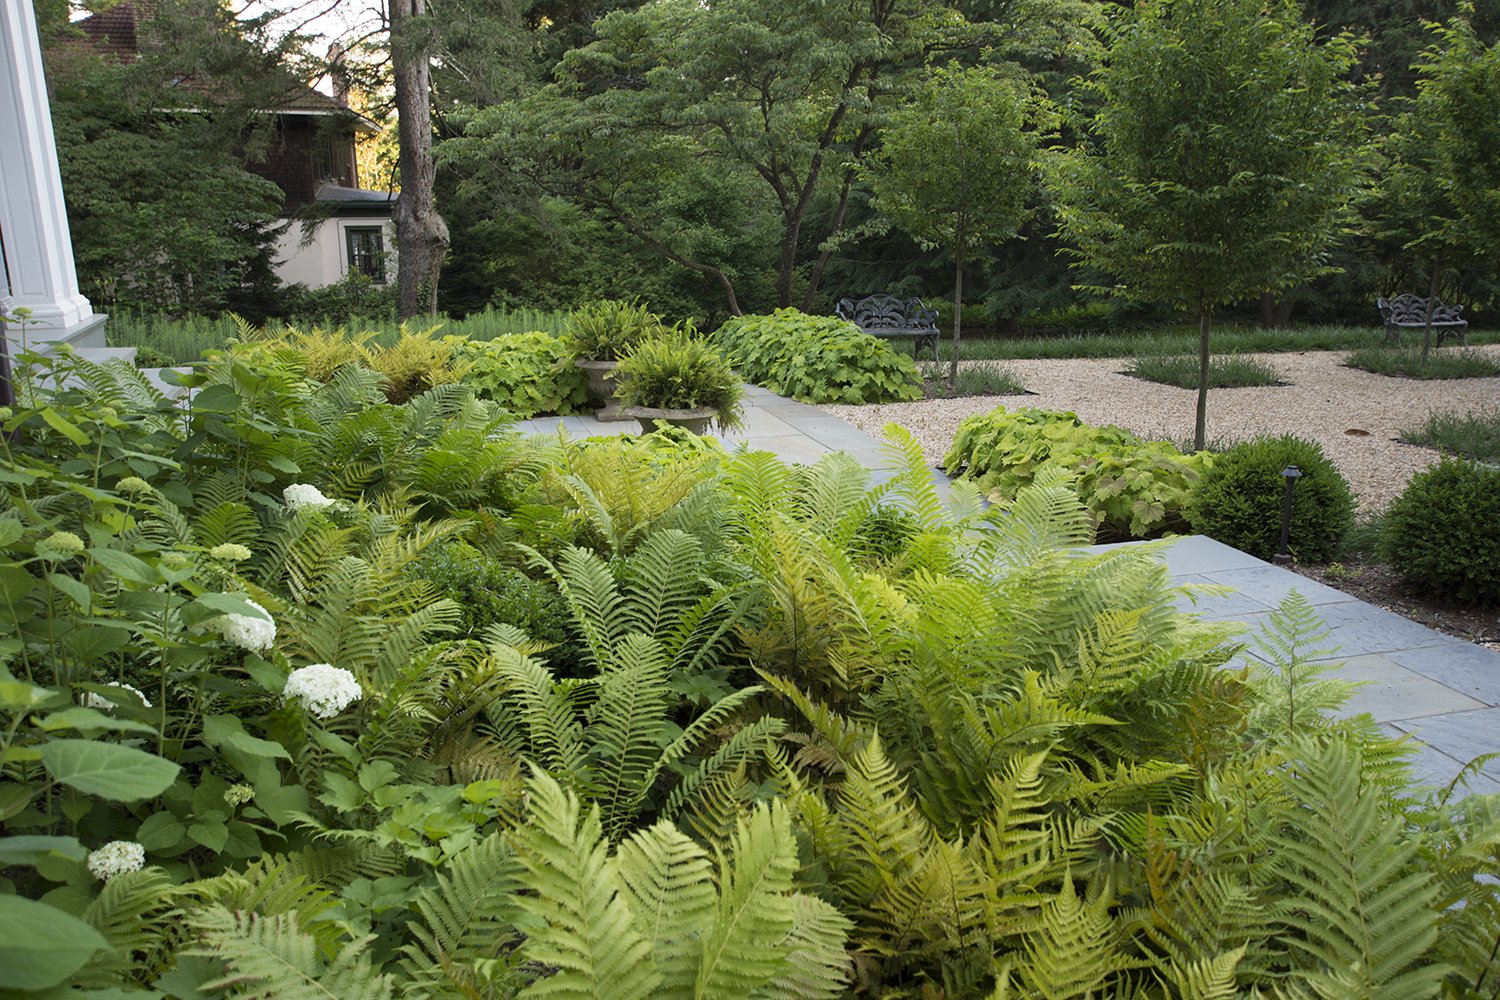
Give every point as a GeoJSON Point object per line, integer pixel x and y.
{"type": "Point", "coordinates": [1239, 499]}
{"type": "Point", "coordinates": [1443, 533]}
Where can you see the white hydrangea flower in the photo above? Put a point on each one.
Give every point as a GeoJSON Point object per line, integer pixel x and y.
{"type": "Point", "coordinates": [93, 700]}
{"type": "Point", "coordinates": [323, 689]}
{"type": "Point", "coordinates": [230, 552]}
{"type": "Point", "coordinates": [116, 858]}
{"type": "Point", "coordinates": [299, 496]}
{"type": "Point", "coordinates": [253, 634]}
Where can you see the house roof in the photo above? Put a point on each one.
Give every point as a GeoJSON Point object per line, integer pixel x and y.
{"type": "Point", "coordinates": [116, 32]}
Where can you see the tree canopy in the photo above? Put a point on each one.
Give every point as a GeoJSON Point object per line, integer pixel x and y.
{"type": "Point", "coordinates": [1225, 158]}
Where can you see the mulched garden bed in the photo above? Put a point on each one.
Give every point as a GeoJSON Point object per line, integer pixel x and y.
{"type": "Point", "coordinates": [1379, 584]}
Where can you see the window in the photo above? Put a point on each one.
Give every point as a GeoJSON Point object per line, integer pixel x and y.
{"type": "Point", "coordinates": [366, 252]}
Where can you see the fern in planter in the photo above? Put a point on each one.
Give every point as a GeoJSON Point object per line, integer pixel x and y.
{"type": "Point", "coordinates": [607, 330]}
{"type": "Point", "coordinates": [681, 372]}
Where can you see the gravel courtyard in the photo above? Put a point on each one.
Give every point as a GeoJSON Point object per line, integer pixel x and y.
{"type": "Point", "coordinates": [1355, 415]}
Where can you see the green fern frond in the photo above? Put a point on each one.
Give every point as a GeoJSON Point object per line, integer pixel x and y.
{"type": "Point", "coordinates": [136, 912]}
{"type": "Point", "coordinates": [555, 738]}
{"type": "Point", "coordinates": [815, 966]}
{"type": "Point", "coordinates": [1077, 950]}
{"type": "Point", "coordinates": [668, 883]}
{"type": "Point", "coordinates": [755, 916]}
{"type": "Point", "coordinates": [467, 922]}
{"type": "Point", "coordinates": [1364, 920]}
{"type": "Point", "coordinates": [628, 723]}
{"type": "Point", "coordinates": [589, 934]}
{"type": "Point", "coordinates": [271, 958]}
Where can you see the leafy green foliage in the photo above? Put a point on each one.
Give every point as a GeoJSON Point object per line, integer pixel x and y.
{"type": "Point", "coordinates": [489, 593]}
{"type": "Point", "coordinates": [817, 359]}
{"type": "Point", "coordinates": [608, 329]}
{"type": "Point", "coordinates": [1226, 159]}
{"type": "Point", "coordinates": [955, 167]}
{"type": "Point", "coordinates": [1134, 488]}
{"type": "Point", "coordinates": [681, 371]}
{"type": "Point", "coordinates": [1441, 535]}
{"type": "Point", "coordinates": [805, 736]}
{"type": "Point", "coordinates": [1240, 499]}
{"type": "Point", "coordinates": [526, 373]}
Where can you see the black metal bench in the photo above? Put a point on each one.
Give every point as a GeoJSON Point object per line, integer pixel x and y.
{"type": "Point", "coordinates": [1409, 312]}
{"type": "Point", "coordinates": [890, 318]}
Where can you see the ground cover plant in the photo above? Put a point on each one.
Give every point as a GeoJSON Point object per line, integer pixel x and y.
{"type": "Point", "coordinates": [1466, 435]}
{"type": "Point", "coordinates": [1407, 362]}
{"type": "Point", "coordinates": [1132, 488]}
{"type": "Point", "coordinates": [1181, 370]}
{"type": "Point", "coordinates": [806, 736]}
{"type": "Point", "coordinates": [182, 340]}
{"type": "Point", "coordinates": [817, 359]}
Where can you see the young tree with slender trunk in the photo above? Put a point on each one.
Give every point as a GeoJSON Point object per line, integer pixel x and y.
{"type": "Point", "coordinates": [421, 233]}
{"type": "Point", "coordinates": [954, 169]}
{"type": "Point", "coordinates": [1442, 187]}
{"type": "Point", "coordinates": [1224, 160]}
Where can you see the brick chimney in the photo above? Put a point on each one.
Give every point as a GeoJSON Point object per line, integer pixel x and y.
{"type": "Point", "coordinates": [338, 74]}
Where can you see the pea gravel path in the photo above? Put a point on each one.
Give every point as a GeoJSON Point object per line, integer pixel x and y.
{"type": "Point", "coordinates": [1324, 401]}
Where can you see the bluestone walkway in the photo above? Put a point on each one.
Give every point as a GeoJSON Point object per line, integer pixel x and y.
{"type": "Point", "coordinates": [796, 432]}
{"type": "Point", "coordinates": [1441, 691]}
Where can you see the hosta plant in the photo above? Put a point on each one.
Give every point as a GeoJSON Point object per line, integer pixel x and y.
{"type": "Point", "coordinates": [1135, 488]}
{"type": "Point", "coordinates": [818, 359]}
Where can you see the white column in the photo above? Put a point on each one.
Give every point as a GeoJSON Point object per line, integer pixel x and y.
{"type": "Point", "coordinates": [33, 219]}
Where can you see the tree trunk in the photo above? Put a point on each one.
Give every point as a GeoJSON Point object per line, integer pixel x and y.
{"type": "Point", "coordinates": [1432, 290]}
{"type": "Point", "coordinates": [421, 233]}
{"type": "Point", "coordinates": [1201, 427]}
{"type": "Point", "coordinates": [1275, 315]}
{"type": "Point", "coordinates": [958, 307]}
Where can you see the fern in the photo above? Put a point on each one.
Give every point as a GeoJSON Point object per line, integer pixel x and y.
{"type": "Point", "coordinates": [1363, 920]}
{"type": "Point", "coordinates": [1295, 694]}
{"type": "Point", "coordinates": [755, 917]}
{"type": "Point", "coordinates": [668, 884]}
{"type": "Point", "coordinates": [467, 924]}
{"type": "Point", "coordinates": [589, 935]}
{"type": "Point", "coordinates": [270, 958]}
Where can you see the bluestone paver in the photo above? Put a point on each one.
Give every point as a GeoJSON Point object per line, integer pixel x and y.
{"type": "Point", "coordinates": [1442, 692]}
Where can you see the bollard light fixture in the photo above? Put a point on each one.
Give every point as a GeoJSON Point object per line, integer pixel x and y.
{"type": "Point", "coordinates": [1283, 555]}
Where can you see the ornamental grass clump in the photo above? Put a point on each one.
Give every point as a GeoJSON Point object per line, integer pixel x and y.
{"type": "Point", "coordinates": [681, 371]}
{"type": "Point", "coordinates": [1239, 502]}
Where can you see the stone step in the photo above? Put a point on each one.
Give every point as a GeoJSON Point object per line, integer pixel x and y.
{"type": "Point", "coordinates": [99, 355]}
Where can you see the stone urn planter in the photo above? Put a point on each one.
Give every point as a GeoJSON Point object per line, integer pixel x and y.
{"type": "Point", "coordinates": [693, 421]}
{"type": "Point", "coordinates": [602, 387]}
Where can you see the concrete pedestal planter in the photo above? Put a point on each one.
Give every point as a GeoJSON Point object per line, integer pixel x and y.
{"type": "Point", "coordinates": [604, 388]}
{"type": "Point", "coordinates": [694, 421]}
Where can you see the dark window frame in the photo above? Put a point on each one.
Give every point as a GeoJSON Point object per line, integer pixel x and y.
{"type": "Point", "coordinates": [370, 263]}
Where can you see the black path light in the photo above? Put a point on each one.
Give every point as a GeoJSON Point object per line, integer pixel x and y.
{"type": "Point", "coordinates": [1283, 556]}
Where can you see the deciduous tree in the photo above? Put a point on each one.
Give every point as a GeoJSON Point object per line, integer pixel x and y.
{"type": "Point", "coordinates": [1224, 159]}
{"type": "Point", "coordinates": [954, 169]}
